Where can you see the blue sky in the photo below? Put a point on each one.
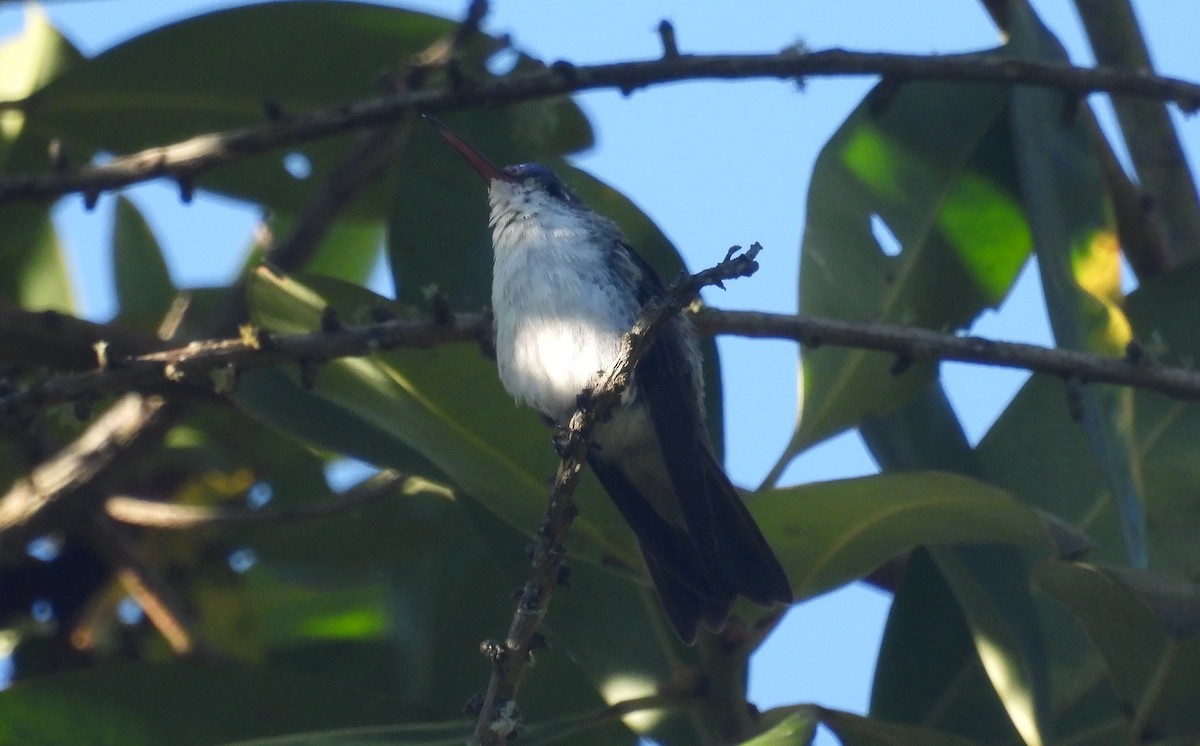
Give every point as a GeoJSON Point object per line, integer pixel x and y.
{"type": "Point", "coordinates": [714, 164]}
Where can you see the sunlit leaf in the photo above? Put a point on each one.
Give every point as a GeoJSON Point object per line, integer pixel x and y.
{"type": "Point", "coordinates": [796, 726]}
{"type": "Point", "coordinates": [992, 589]}
{"type": "Point", "coordinates": [29, 61]}
{"type": "Point", "coordinates": [855, 730]}
{"type": "Point", "coordinates": [1078, 256]}
{"type": "Point", "coordinates": [929, 671]}
{"type": "Point", "coordinates": [927, 165]}
{"type": "Point", "coordinates": [990, 583]}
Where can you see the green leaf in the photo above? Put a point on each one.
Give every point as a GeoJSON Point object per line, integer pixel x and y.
{"type": "Point", "coordinates": [992, 589]}
{"type": "Point", "coordinates": [144, 288]}
{"type": "Point", "coordinates": [990, 583]}
{"type": "Point", "coordinates": [1078, 256]}
{"type": "Point", "coordinates": [419, 594]}
{"type": "Point", "coordinates": [33, 267]}
{"type": "Point", "coordinates": [795, 726]}
{"type": "Point", "coordinates": [120, 101]}
{"type": "Point", "coordinates": [33, 270]}
{"type": "Point", "coordinates": [929, 671]}
{"type": "Point", "coordinates": [452, 733]}
{"type": "Point", "coordinates": [1145, 626]}
{"type": "Point", "coordinates": [419, 399]}
{"type": "Point", "coordinates": [348, 251]}
{"type": "Point", "coordinates": [131, 705]}
{"type": "Point", "coordinates": [922, 434]}
{"type": "Point", "coordinates": [929, 161]}
{"type": "Point", "coordinates": [1039, 453]}
{"type": "Point", "coordinates": [827, 534]}
{"type": "Point", "coordinates": [29, 61]}
{"type": "Point", "coordinates": [855, 730]}
{"type": "Point", "coordinates": [276, 399]}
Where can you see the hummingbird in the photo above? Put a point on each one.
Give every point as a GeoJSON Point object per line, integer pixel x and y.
{"type": "Point", "coordinates": [566, 287]}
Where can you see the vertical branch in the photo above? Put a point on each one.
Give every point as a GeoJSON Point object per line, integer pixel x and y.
{"type": "Point", "coordinates": [498, 714]}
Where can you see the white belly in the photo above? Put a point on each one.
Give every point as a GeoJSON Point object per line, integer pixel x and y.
{"type": "Point", "coordinates": [559, 323]}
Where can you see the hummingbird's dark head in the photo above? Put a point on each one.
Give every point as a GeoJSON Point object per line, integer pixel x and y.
{"type": "Point", "coordinates": [529, 178]}
{"type": "Point", "coordinates": [536, 177]}
{"type": "Point", "coordinates": [529, 203]}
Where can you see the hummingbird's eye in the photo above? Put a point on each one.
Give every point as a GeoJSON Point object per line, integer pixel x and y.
{"type": "Point", "coordinates": [556, 191]}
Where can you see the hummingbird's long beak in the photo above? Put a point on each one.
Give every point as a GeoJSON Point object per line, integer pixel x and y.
{"type": "Point", "coordinates": [486, 168]}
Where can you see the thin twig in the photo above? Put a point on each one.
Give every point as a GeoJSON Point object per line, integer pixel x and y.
{"type": "Point", "coordinates": [184, 160]}
{"type": "Point", "coordinates": [156, 514]}
{"type": "Point", "coordinates": [498, 716]}
{"type": "Point", "coordinates": [165, 609]}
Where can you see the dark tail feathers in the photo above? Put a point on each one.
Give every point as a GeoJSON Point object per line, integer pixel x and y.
{"type": "Point", "coordinates": [700, 571]}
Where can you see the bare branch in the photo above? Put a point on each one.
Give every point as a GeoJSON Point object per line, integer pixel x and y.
{"type": "Point", "coordinates": [156, 514]}
{"type": "Point", "coordinates": [199, 364]}
{"type": "Point", "coordinates": [183, 161]}
{"type": "Point", "coordinates": [498, 716]}
{"type": "Point", "coordinates": [915, 344]}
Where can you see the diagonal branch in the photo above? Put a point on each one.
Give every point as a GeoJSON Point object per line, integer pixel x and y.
{"type": "Point", "coordinates": [184, 160]}
{"type": "Point", "coordinates": [52, 492]}
{"type": "Point", "coordinates": [498, 716]}
{"type": "Point", "coordinates": [161, 603]}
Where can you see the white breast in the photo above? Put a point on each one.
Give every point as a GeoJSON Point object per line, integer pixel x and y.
{"type": "Point", "coordinates": [559, 315]}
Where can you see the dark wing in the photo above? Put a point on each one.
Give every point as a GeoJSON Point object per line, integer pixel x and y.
{"type": "Point", "coordinates": [722, 529]}
{"type": "Point", "coordinates": [692, 593]}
